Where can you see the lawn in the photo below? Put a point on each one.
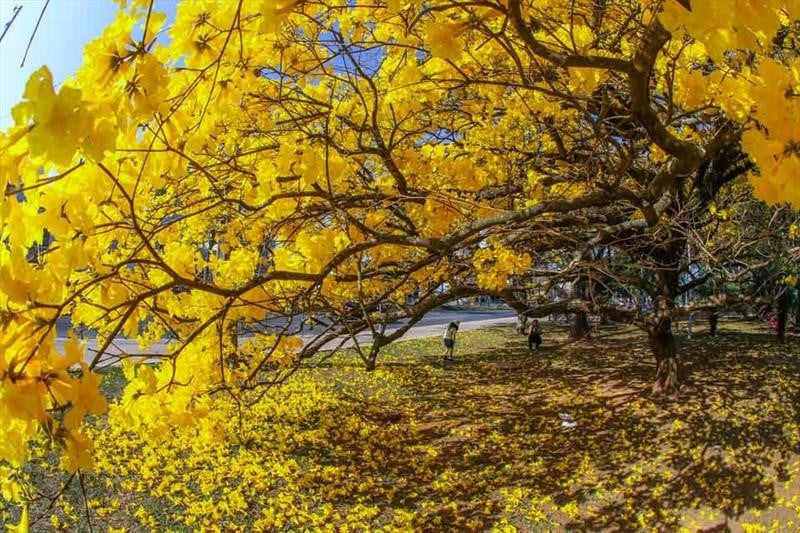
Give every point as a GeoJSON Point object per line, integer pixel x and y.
{"type": "Point", "coordinates": [475, 445]}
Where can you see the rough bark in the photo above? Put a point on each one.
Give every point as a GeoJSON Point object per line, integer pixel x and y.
{"type": "Point", "coordinates": [713, 317]}
{"type": "Point", "coordinates": [662, 341]}
{"type": "Point", "coordinates": [579, 328]}
{"type": "Point", "coordinates": [662, 344]}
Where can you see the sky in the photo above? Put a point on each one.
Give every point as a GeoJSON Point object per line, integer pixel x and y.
{"type": "Point", "coordinates": [67, 25]}
{"type": "Point", "coordinates": [65, 29]}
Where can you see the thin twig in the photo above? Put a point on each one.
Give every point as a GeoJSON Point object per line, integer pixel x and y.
{"type": "Point", "coordinates": [85, 501]}
{"type": "Point", "coordinates": [34, 34]}
{"type": "Point", "coordinates": [17, 9]}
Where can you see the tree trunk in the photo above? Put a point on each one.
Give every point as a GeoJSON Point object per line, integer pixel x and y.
{"type": "Point", "coordinates": [371, 361]}
{"type": "Point", "coordinates": [580, 326]}
{"type": "Point", "coordinates": [713, 317]}
{"type": "Point", "coordinates": [662, 344]}
{"type": "Point", "coordinates": [783, 314]}
{"type": "Point", "coordinates": [580, 321]}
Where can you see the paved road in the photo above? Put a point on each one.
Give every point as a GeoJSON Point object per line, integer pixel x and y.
{"type": "Point", "coordinates": [432, 325]}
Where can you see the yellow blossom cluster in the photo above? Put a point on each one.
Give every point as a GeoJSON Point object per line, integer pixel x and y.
{"type": "Point", "coordinates": [495, 264]}
{"type": "Point", "coordinates": [766, 91]}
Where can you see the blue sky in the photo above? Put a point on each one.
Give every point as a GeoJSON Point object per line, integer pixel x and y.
{"type": "Point", "coordinates": [66, 27]}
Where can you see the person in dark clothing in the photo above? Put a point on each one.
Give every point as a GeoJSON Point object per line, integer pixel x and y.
{"type": "Point", "coordinates": [534, 335]}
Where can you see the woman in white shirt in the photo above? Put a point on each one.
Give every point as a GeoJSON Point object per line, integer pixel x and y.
{"type": "Point", "coordinates": [450, 340]}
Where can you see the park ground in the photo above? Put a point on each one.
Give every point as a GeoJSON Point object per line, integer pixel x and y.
{"type": "Point", "coordinates": [476, 445]}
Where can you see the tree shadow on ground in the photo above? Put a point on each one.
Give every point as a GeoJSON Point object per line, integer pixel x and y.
{"type": "Point", "coordinates": [498, 448]}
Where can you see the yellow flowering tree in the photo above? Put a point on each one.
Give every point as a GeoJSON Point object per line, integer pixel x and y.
{"type": "Point", "coordinates": [273, 158]}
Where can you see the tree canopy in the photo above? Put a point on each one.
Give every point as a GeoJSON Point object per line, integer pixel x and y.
{"type": "Point", "coordinates": [260, 159]}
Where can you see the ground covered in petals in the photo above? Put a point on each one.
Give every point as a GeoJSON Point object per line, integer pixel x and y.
{"type": "Point", "coordinates": [473, 445]}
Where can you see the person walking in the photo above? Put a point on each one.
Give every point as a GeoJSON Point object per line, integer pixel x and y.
{"type": "Point", "coordinates": [534, 335]}
{"type": "Point", "coordinates": [450, 340]}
